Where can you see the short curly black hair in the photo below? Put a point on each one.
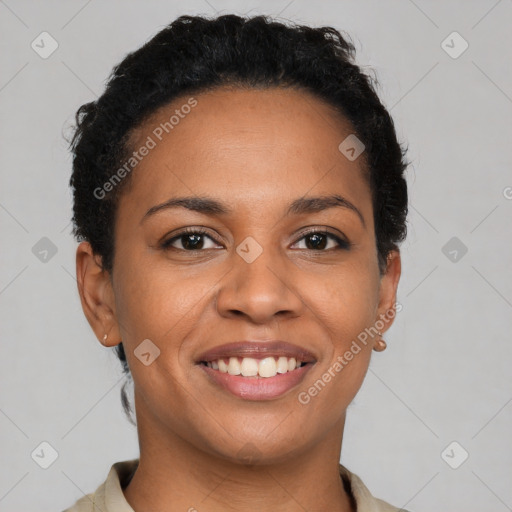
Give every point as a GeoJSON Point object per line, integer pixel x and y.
{"type": "Point", "coordinates": [195, 54]}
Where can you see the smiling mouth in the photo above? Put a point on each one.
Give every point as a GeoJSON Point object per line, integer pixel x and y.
{"type": "Point", "coordinates": [256, 368]}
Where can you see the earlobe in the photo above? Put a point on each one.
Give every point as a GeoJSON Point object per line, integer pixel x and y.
{"type": "Point", "coordinates": [96, 295]}
{"type": "Point", "coordinates": [380, 344]}
{"type": "Point", "coordinates": [388, 288]}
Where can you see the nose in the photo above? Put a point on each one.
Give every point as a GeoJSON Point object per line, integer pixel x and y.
{"type": "Point", "coordinates": [260, 290]}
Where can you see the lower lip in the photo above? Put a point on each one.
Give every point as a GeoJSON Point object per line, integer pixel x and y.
{"type": "Point", "coordinates": [258, 388]}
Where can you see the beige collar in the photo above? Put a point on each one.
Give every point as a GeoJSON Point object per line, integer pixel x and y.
{"type": "Point", "coordinates": [109, 496]}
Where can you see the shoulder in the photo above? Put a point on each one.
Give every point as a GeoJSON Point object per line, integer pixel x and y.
{"type": "Point", "coordinates": [109, 497]}
{"type": "Point", "coordinates": [363, 498]}
{"type": "Point", "coordinates": [87, 503]}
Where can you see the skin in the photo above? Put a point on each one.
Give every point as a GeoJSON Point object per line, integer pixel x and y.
{"type": "Point", "coordinates": [256, 151]}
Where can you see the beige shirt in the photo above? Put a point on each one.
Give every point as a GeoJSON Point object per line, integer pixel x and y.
{"type": "Point", "coordinates": [109, 496]}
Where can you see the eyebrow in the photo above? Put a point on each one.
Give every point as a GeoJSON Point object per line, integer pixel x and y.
{"type": "Point", "coordinates": [209, 206]}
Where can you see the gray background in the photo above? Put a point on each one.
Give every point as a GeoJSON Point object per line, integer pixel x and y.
{"type": "Point", "coordinates": [446, 374]}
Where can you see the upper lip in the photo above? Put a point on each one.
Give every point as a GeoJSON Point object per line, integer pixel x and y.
{"type": "Point", "coordinates": [271, 348]}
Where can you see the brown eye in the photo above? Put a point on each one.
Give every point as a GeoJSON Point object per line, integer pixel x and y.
{"type": "Point", "coordinates": [319, 241]}
{"type": "Point", "coordinates": [190, 240]}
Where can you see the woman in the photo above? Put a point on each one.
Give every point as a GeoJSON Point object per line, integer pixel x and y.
{"type": "Point", "coordinates": [239, 198]}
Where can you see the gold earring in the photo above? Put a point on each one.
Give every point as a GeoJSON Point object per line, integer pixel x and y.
{"type": "Point", "coordinates": [380, 345]}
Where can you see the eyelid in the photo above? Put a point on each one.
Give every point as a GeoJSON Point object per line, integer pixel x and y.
{"type": "Point", "coordinates": [324, 230]}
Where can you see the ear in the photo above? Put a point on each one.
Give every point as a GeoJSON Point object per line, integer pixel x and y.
{"type": "Point", "coordinates": [388, 287]}
{"type": "Point", "coordinates": [96, 295]}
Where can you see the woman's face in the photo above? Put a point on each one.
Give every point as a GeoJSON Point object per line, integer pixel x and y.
{"type": "Point", "coordinates": [253, 275]}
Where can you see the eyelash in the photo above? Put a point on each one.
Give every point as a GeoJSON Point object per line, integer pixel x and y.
{"type": "Point", "coordinates": [167, 245]}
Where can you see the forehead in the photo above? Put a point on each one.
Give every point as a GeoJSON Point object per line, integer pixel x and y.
{"type": "Point", "coordinates": [260, 145]}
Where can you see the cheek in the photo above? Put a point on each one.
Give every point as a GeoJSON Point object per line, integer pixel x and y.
{"type": "Point", "coordinates": [346, 302]}
{"type": "Point", "coordinates": [150, 300]}
{"type": "Point", "coordinates": [166, 305]}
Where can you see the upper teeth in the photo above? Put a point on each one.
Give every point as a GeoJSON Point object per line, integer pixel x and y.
{"type": "Point", "coordinates": [250, 367]}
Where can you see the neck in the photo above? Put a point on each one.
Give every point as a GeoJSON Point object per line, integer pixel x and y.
{"type": "Point", "coordinates": [173, 475]}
